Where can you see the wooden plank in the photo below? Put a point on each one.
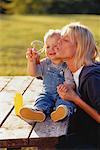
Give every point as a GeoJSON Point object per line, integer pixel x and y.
{"type": "Point", "coordinates": [19, 84]}
{"type": "Point", "coordinates": [4, 81]}
{"type": "Point", "coordinates": [49, 128]}
{"type": "Point", "coordinates": [45, 143]}
{"type": "Point", "coordinates": [49, 132]}
{"type": "Point", "coordinates": [32, 92]}
{"type": "Point", "coordinates": [13, 148]}
{"type": "Point", "coordinates": [7, 95]}
{"type": "Point", "coordinates": [14, 132]}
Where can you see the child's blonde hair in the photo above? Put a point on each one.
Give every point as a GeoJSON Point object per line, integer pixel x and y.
{"type": "Point", "coordinates": [51, 33]}
{"type": "Point", "coordinates": [86, 47]}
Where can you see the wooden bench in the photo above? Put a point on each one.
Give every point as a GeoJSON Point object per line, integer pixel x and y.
{"type": "Point", "coordinates": [15, 132]}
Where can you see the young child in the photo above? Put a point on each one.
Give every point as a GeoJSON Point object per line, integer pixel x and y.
{"type": "Point", "coordinates": [54, 72]}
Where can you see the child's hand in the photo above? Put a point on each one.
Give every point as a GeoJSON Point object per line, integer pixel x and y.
{"type": "Point", "coordinates": [70, 85]}
{"type": "Point", "coordinates": [62, 89]}
{"type": "Point", "coordinates": [66, 93]}
{"type": "Point", "coordinates": [32, 55]}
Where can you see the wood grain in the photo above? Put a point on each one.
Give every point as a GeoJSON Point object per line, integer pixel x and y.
{"type": "Point", "coordinates": [15, 132]}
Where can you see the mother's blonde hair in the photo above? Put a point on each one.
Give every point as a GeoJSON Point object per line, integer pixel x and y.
{"type": "Point", "coordinates": [86, 51]}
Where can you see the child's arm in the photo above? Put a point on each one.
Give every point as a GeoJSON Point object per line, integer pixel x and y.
{"type": "Point", "coordinates": [32, 57]}
{"type": "Point", "coordinates": [70, 85]}
{"type": "Point", "coordinates": [69, 80]}
{"type": "Point", "coordinates": [69, 94]}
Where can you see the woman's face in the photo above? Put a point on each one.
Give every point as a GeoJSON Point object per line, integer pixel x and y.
{"type": "Point", "coordinates": [66, 48]}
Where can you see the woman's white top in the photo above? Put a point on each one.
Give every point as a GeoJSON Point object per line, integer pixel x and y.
{"type": "Point", "coordinates": [76, 76]}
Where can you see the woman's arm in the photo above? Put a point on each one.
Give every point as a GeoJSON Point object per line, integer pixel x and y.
{"type": "Point", "coordinates": [69, 94]}
{"type": "Point", "coordinates": [88, 109]}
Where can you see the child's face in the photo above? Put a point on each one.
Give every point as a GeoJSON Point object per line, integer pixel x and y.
{"type": "Point", "coordinates": [50, 46]}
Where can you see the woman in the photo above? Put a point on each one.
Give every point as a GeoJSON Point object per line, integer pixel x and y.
{"type": "Point", "coordinates": [77, 47]}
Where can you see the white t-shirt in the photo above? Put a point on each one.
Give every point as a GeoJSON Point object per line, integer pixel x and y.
{"type": "Point", "coordinates": [76, 76]}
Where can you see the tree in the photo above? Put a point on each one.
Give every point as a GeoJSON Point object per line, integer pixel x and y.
{"type": "Point", "coordinates": [50, 6]}
{"type": "Point", "coordinates": [21, 6]}
{"type": "Point", "coordinates": [4, 6]}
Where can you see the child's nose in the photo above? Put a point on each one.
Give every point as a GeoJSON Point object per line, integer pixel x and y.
{"type": "Point", "coordinates": [56, 47]}
{"type": "Point", "coordinates": [50, 50]}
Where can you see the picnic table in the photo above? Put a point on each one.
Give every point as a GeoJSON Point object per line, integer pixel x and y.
{"type": "Point", "coordinates": [15, 132]}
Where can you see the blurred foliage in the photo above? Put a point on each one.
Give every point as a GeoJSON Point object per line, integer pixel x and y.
{"type": "Point", "coordinates": [50, 7]}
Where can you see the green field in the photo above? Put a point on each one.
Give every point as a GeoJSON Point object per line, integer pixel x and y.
{"type": "Point", "coordinates": [17, 32]}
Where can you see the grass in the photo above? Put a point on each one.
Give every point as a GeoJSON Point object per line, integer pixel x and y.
{"type": "Point", "coordinates": [17, 32]}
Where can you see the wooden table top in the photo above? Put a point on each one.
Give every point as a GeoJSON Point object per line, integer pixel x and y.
{"type": "Point", "coordinates": [15, 131]}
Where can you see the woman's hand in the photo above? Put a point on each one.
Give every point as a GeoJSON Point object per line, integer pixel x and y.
{"type": "Point", "coordinates": [67, 93]}
{"type": "Point", "coordinates": [32, 55]}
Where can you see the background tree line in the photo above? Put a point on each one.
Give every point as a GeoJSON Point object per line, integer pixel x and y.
{"type": "Point", "coordinates": [50, 7]}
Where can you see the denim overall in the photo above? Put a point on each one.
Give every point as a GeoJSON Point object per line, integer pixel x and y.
{"type": "Point", "coordinates": [49, 99]}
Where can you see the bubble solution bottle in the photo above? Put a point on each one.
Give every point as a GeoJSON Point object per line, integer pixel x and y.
{"type": "Point", "coordinates": [18, 103]}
